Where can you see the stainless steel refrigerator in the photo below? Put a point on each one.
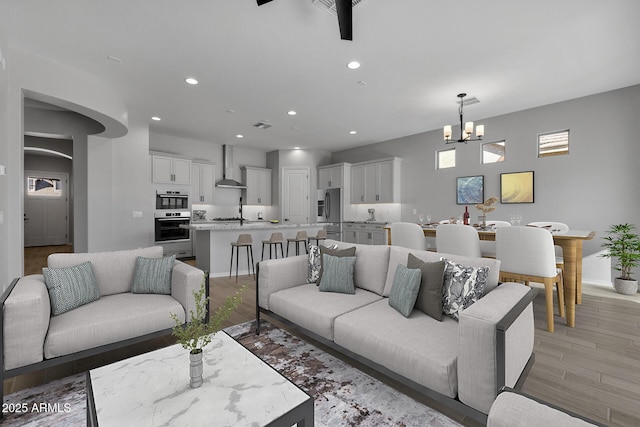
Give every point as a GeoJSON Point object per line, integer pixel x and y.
{"type": "Point", "coordinates": [330, 211]}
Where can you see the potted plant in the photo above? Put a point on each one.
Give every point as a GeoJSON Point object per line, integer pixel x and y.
{"type": "Point", "coordinates": [198, 332]}
{"type": "Point", "coordinates": [623, 244]}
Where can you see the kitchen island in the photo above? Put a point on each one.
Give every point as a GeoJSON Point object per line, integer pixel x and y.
{"type": "Point", "coordinates": [213, 242]}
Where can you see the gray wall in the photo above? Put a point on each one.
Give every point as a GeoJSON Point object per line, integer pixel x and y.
{"type": "Point", "coordinates": [590, 188]}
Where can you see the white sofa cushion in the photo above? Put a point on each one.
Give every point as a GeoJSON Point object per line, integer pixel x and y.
{"type": "Point", "coordinates": [418, 347]}
{"type": "Point", "coordinates": [114, 271]}
{"type": "Point", "coordinates": [110, 319]}
{"type": "Point", "coordinates": [370, 270]}
{"type": "Point", "coordinates": [398, 255]}
{"type": "Point", "coordinates": [316, 311]}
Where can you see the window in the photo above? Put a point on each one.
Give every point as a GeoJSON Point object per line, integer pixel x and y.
{"type": "Point", "coordinates": [553, 143]}
{"type": "Point", "coordinates": [493, 152]}
{"type": "Point", "coordinates": [446, 158]}
{"type": "Point", "coordinates": [38, 186]}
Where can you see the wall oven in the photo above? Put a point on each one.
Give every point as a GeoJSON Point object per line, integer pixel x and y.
{"type": "Point", "coordinates": [167, 226]}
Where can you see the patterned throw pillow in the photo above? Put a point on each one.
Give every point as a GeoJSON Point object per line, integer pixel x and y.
{"type": "Point", "coordinates": [314, 264]}
{"type": "Point", "coordinates": [153, 275]}
{"type": "Point", "coordinates": [462, 287]}
{"type": "Point", "coordinates": [334, 251]}
{"type": "Point", "coordinates": [406, 284]}
{"type": "Point", "coordinates": [338, 274]}
{"type": "Point", "coordinates": [70, 287]}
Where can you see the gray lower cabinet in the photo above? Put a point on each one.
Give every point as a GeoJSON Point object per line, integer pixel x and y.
{"type": "Point", "coordinates": [365, 234]}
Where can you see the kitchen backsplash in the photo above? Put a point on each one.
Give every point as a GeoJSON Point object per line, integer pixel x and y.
{"type": "Point", "coordinates": [385, 212]}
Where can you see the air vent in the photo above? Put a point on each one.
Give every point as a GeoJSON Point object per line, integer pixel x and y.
{"type": "Point", "coordinates": [329, 6]}
{"type": "Point", "coordinates": [262, 124]}
{"type": "Point", "coordinates": [470, 101]}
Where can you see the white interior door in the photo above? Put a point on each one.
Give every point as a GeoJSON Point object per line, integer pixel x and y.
{"type": "Point", "coordinates": [45, 208]}
{"type": "Point", "coordinates": [295, 195]}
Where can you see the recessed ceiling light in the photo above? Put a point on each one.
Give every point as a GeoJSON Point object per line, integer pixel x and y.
{"type": "Point", "coordinates": [156, 118]}
{"type": "Point", "coordinates": [352, 132]}
{"type": "Point", "coordinates": [239, 136]}
{"type": "Point", "coordinates": [353, 65]}
{"type": "Point", "coordinates": [291, 113]}
{"type": "Point", "coordinates": [191, 81]}
{"type": "Point", "coordinates": [296, 148]}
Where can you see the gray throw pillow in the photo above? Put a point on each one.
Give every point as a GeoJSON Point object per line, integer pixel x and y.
{"type": "Point", "coordinates": [406, 284]}
{"type": "Point", "coordinates": [349, 252]}
{"type": "Point", "coordinates": [70, 287]}
{"type": "Point", "coordinates": [153, 275]}
{"type": "Point", "coordinates": [338, 274]}
{"type": "Point", "coordinates": [429, 299]}
{"type": "Point", "coordinates": [462, 287]}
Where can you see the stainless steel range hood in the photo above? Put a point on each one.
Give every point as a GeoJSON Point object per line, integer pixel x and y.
{"type": "Point", "coordinates": [227, 180]}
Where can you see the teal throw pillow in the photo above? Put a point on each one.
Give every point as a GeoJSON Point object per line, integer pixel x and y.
{"type": "Point", "coordinates": [333, 251]}
{"type": "Point", "coordinates": [70, 287]}
{"type": "Point", "coordinates": [337, 274]}
{"type": "Point", "coordinates": [405, 288]}
{"type": "Point", "coordinates": [153, 275]}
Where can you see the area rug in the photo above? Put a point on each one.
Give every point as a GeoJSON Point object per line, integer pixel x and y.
{"type": "Point", "coordinates": [343, 395]}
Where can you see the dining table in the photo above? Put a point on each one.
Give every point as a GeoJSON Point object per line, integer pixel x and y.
{"type": "Point", "coordinates": [571, 243]}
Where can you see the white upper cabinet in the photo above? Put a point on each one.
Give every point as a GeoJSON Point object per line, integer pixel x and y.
{"type": "Point", "coordinates": [170, 170]}
{"type": "Point", "coordinates": [331, 176]}
{"type": "Point", "coordinates": [258, 182]}
{"type": "Point", "coordinates": [376, 182]}
{"type": "Point", "coordinates": [202, 185]}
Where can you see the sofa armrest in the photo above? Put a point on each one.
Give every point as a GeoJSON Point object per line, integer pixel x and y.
{"type": "Point", "coordinates": [495, 342]}
{"type": "Point", "coordinates": [277, 274]}
{"type": "Point", "coordinates": [26, 311]}
{"type": "Point", "coordinates": [186, 279]}
{"type": "Point", "coordinates": [513, 409]}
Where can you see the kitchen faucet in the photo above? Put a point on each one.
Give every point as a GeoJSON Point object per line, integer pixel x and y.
{"type": "Point", "coordinates": [240, 210]}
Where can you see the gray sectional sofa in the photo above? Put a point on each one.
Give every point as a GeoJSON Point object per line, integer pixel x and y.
{"type": "Point", "coordinates": [32, 338]}
{"type": "Point", "coordinates": [460, 363]}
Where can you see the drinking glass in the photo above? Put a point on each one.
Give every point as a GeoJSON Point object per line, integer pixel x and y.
{"type": "Point", "coordinates": [428, 218]}
{"type": "Point", "coordinates": [512, 219]}
{"type": "Point", "coordinates": [421, 219]}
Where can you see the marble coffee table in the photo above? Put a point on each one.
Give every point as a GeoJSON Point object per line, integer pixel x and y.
{"type": "Point", "coordinates": [152, 389]}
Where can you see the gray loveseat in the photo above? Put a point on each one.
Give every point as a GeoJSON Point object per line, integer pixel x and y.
{"type": "Point", "coordinates": [460, 363]}
{"type": "Point", "coordinates": [32, 338]}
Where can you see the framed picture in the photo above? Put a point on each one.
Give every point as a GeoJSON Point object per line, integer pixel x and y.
{"type": "Point", "coordinates": [470, 190]}
{"type": "Point", "coordinates": [516, 187]}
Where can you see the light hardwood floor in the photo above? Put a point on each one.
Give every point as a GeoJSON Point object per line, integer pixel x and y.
{"type": "Point", "coordinates": [592, 369]}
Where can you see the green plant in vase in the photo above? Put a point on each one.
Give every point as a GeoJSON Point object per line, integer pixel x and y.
{"type": "Point", "coordinates": [623, 244]}
{"type": "Point", "coordinates": [197, 333]}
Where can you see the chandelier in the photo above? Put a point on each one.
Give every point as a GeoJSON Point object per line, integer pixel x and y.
{"type": "Point", "coordinates": [466, 130]}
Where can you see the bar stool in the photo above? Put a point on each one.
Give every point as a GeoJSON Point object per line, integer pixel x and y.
{"type": "Point", "coordinates": [301, 237]}
{"type": "Point", "coordinates": [322, 235]}
{"type": "Point", "coordinates": [275, 240]}
{"type": "Point", "coordinates": [246, 241]}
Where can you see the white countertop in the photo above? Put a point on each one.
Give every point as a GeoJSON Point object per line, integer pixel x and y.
{"type": "Point", "coordinates": [261, 225]}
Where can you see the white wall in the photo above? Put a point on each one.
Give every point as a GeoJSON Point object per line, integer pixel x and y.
{"type": "Point", "coordinates": [53, 82]}
{"type": "Point", "coordinates": [590, 188]}
{"type": "Point", "coordinates": [119, 182]}
{"type": "Point", "coordinates": [5, 273]}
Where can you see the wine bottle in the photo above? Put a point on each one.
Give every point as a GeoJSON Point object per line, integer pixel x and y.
{"type": "Point", "coordinates": [465, 217]}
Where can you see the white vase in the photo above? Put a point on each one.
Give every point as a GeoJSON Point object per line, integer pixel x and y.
{"type": "Point", "coordinates": [625, 287]}
{"type": "Point", "coordinates": [195, 369]}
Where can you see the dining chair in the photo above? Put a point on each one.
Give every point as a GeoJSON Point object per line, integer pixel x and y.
{"type": "Point", "coordinates": [408, 235]}
{"type": "Point", "coordinates": [557, 228]}
{"type": "Point", "coordinates": [458, 239]}
{"type": "Point", "coordinates": [526, 255]}
{"type": "Point", "coordinates": [488, 247]}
